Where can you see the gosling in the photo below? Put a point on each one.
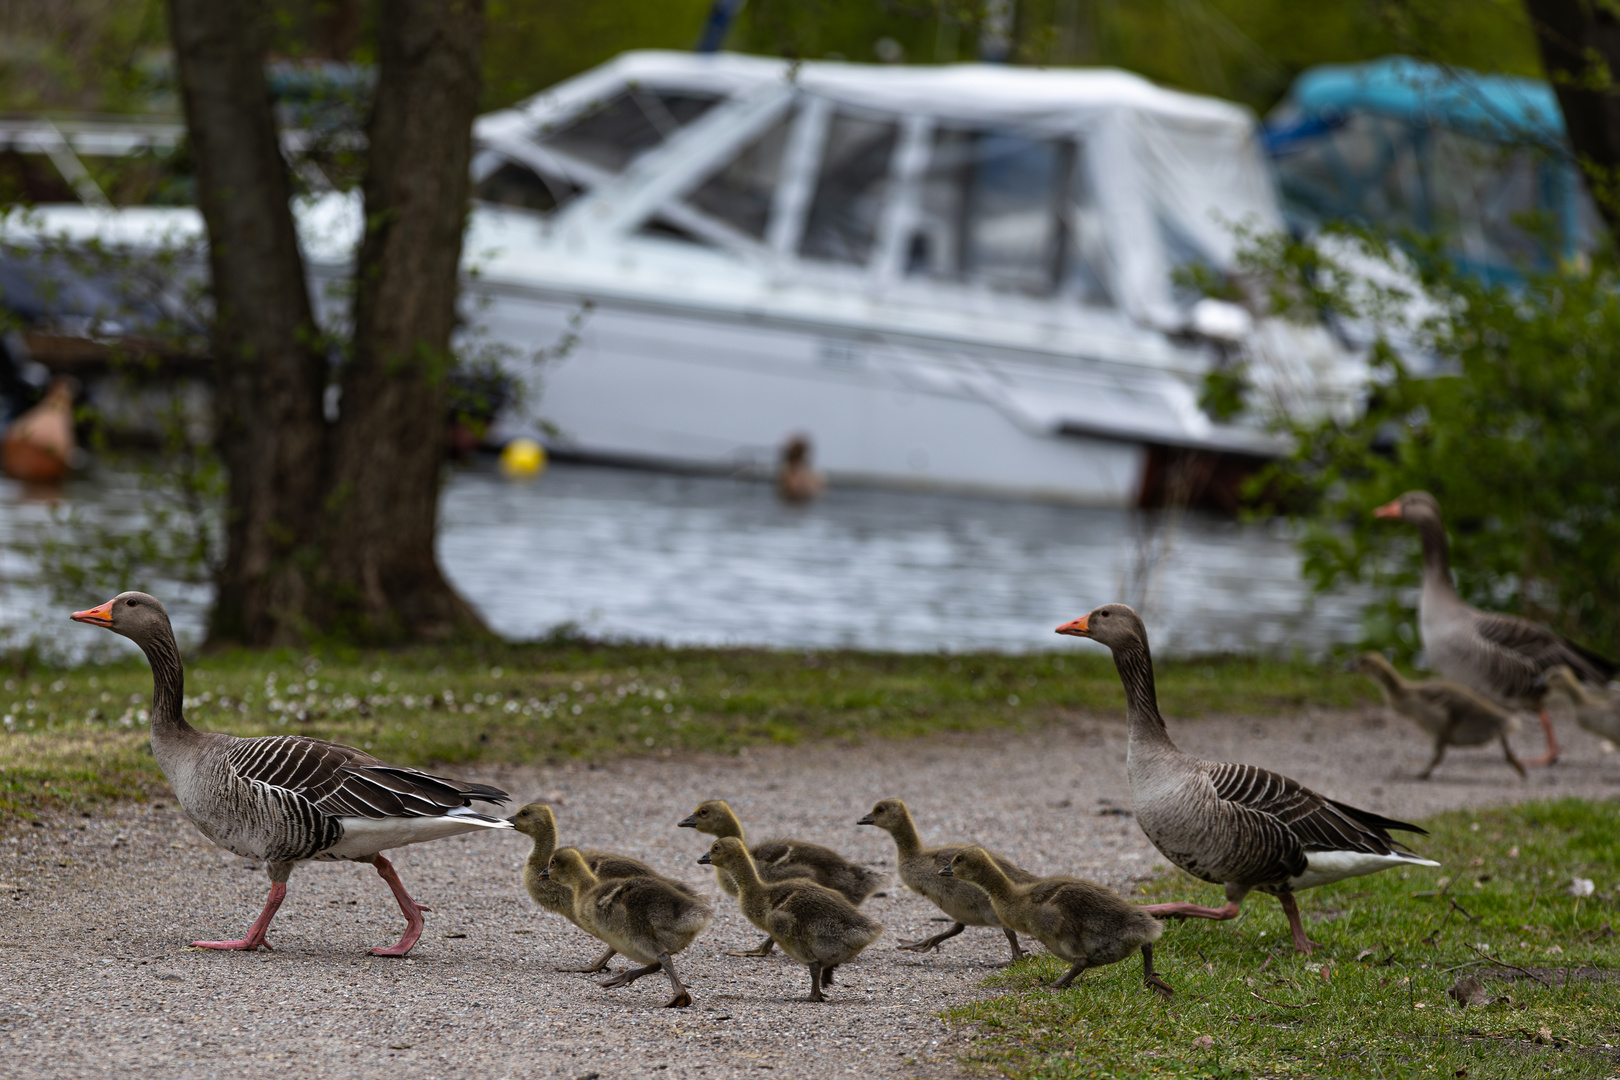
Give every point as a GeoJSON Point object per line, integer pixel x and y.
{"type": "Point", "coordinates": [1597, 713]}
{"type": "Point", "coordinates": [1452, 714]}
{"type": "Point", "coordinates": [1087, 924]}
{"type": "Point", "coordinates": [537, 822]}
{"type": "Point", "coordinates": [779, 860]}
{"type": "Point", "coordinates": [815, 925]}
{"type": "Point", "coordinates": [646, 918]}
{"type": "Point", "coordinates": [919, 866]}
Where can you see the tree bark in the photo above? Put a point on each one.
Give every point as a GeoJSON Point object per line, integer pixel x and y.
{"type": "Point", "coordinates": [1579, 41]}
{"type": "Point", "coordinates": [383, 580]}
{"type": "Point", "coordinates": [270, 371]}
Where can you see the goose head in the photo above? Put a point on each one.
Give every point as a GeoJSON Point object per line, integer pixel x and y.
{"type": "Point", "coordinates": [726, 852]}
{"type": "Point", "coordinates": [1113, 625]}
{"type": "Point", "coordinates": [536, 821]}
{"type": "Point", "coordinates": [710, 817]}
{"type": "Point", "coordinates": [1416, 507]}
{"type": "Point", "coordinates": [888, 814]}
{"type": "Point", "coordinates": [1375, 665]}
{"type": "Point", "coordinates": [1563, 679]}
{"type": "Point", "coordinates": [567, 868]}
{"type": "Point", "coordinates": [134, 615]}
{"type": "Point", "coordinates": [972, 865]}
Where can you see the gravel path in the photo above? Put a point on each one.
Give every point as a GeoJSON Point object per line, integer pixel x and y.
{"type": "Point", "coordinates": [95, 978]}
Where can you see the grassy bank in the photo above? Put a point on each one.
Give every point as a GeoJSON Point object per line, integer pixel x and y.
{"type": "Point", "coordinates": [72, 736]}
{"type": "Point", "coordinates": [1374, 1000]}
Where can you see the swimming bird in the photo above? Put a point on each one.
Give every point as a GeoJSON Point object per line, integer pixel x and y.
{"type": "Point", "coordinates": [1452, 714]}
{"type": "Point", "coordinates": [647, 918]}
{"type": "Point", "coordinates": [778, 860]}
{"type": "Point", "coordinates": [815, 925]}
{"type": "Point", "coordinates": [537, 822]}
{"type": "Point", "coordinates": [1086, 924]}
{"type": "Point", "coordinates": [1504, 657]}
{"type": "Point", "coordinates": [286, 799]}
{"type": "Point", "coordinates": [920, 868]}
{"type": "Point", "coordinates": [1239, 826]}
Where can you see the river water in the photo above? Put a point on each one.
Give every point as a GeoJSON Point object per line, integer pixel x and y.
{"type": "Point", "coordinates": [713, 561]}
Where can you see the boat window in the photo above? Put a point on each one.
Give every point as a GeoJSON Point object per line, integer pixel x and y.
{"type": "Point", "coordinates": [992, 210]}
{"type": "Point", "coordinates": [740, 194]}
{"type": "Point", "coordinates": [512, 184]}
{"type": "Point", "coordinates": [612, 134]}
{"type": "Point", "coordinates": [851, 189]}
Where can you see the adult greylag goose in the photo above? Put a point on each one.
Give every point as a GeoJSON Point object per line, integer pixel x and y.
{"type": "Point", "coordinates": [537, 822]}
{"type": "Point", "coordinates": [1239, 826]}
{"type": "Point", "coordinates": [1086, 924]}
{"type": "Point", "coordinates": [286, 799]}
{"type": "Point", "coordinates": [815, 925]}
{"type": "Point", "coordinates": [648, 918]}
{"type": "Point", "coordinates": [1453, 715]}
{"type": "Point", "coordinates": [778, 860]}
{"type": "Point", "coordinates": [920, 868]}
{"type": "Point", "coordinates": [1596, 712]}
{"type": "Point", "coordinates": [1504, 657]}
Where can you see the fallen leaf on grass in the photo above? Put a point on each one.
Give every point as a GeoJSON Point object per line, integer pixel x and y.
{"type": "Point", "coordinates": [1204, 1042]}
{"type": "Point", "coordinates": [1469, 991]}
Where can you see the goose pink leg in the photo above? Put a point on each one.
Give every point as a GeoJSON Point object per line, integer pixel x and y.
{"type": "Point", "coordinates": [1552, 744]}
{"type": "Point", "coordinates": [255, 934]}
{"type": "Point", "coordinates": [1181, 909]}
{"type": "Point", "coordinates": [1291, 909]}
{"type": "Point", "coordinates": [410, 908]}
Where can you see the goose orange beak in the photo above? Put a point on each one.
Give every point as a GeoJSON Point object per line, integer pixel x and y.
{"type": "Point", "coordinates": [1077, 628]}
{"type": "Point", "coordinates": [1391, 509]}
{"type": "Point", "coordinates": [96, 616]}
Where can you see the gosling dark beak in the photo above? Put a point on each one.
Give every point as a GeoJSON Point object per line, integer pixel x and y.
{"type": "Point", "coordinates": [1077, 628]}
{"type": "Point", "coordinates": [705, 860]}
{"type": "Point", "coordinates": [945, 871]}
{"type": "Point", "coordinates": [867, 820]}
{"type": "Point", "coordinates": [545, 875]}
{"type": "Point", "coordinates": [1390, 509]}
{"type": "Point", "coordinates": [687, 822]}
{"type": "Point", "coordinates": [512, 821]}
{"type": "Point", "coordinates": [96, 616]}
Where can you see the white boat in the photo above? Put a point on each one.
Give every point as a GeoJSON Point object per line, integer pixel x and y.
{"type": "Point", "coordinates": [958, 277]}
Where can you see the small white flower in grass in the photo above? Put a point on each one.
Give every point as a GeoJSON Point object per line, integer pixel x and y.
{"type": "Point", "coordinates": [1581, 886]}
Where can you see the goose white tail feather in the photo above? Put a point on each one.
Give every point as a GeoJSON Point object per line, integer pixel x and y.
{"type": "Point", "coordinates": [1326, 867]}
{"type": "Point", "coordinates": [364, 837]}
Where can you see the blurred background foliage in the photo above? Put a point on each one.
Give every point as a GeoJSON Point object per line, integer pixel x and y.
{"type": "Point", "coordinates": [111, 55]}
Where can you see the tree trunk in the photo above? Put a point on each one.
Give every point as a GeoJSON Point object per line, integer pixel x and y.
{"type": "Point", "coordinates": [1579, 42]}
{"type": "Point", "coordinates": [270, 372]}
{"type": "Point", "coordinates": [384, 581]}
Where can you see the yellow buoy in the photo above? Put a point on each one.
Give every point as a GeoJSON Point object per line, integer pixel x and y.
{"type": "Point", "coordinates": [523, 459]}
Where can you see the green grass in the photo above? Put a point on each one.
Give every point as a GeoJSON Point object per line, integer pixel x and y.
{"type": "Point", "coordinates": [1373, 1001]}
{"type": "Point", "coordinates": [71, 737]}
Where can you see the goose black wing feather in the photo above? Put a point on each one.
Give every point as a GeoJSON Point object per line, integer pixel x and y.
{"type": "Point", "coordinates": [1541, 649]}
{"type": "Point", "coordinates": [1318, 823]}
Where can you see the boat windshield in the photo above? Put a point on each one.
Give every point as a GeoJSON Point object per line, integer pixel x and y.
{"type": "Point", "coordinates": [851, 188]}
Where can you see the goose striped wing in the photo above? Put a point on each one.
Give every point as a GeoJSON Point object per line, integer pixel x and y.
{"type": "Point", "coordinates": [1520, 651]}
{"type": "Point", "coordinates": [1315, 822]}
{"type": "Point", "coordinates": [340, 781]}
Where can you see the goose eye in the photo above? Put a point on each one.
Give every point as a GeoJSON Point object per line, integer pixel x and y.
{"type": "Point", "coordinates": [130, 601]}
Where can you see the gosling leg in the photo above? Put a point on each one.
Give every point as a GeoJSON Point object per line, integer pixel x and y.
{"type": "Point", "coordinates": [625, 978]}
{"type": "Point", "coordinates": [1181, 909]}
{"type": "Point", "coordinates": [1012, 940]}
{"type": "Point", "coordinates": [1069, 976]}
{"type": "Point", "coordinates": [682, 999]}
{"type": "Point", "coordinates": [1439, 752]}
{"type": "Point", "coordinates": [762, 949]}
{"type": "Point", "coordinates": [932, 942]}
{"type": "Point", "coordinates": [1151, 977]}
{"type": "Point", "coordinates": [815, 982]}
{"type": "Point", "coordinates": [826, 975]}
{"type": "Point", "coordinates": [1507, 752]}
{"type": "Point", "coordinates": [1291, 909]}
{"type": "Point", "coordinates": [596, 965]}
{"type": "Point", "coordinates": [1552, 744]}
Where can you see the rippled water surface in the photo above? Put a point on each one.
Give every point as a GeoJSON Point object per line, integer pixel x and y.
{"type": "Point", "coordinates": [704, 560]}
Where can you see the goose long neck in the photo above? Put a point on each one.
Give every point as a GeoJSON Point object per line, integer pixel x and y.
{"type": "Point", "coordinates": [906, 840]}
{"type": "Point", "coordinates": [545, 845]}
{"type": "Point", "coordinates": [1142, 717]}
{"type": "Point", "coordinates": [1389, 681]}
{"type": "Point", "coordinates": [168, 686]}
{"type": "Point", "coordinates": [1436, 553]}
{"type": "Point", "coordinates": [746, 874]}
{"type": "Point", "coordinates": [995, 882]}
{"type": "Point", "coordinates": [728, 825]}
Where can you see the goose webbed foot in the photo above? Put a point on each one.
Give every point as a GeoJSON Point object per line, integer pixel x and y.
{"type": "Point", "coordinates": [1551, 755]}
{"type": "Point", "coordinates": [625, 978]}
{"type": "Point", "coordinates": [815, 982]}
{"type": "Point", "coordinates": [682, 998]}
{"type": "Point", "coordinates": [764, 948]}
{"type": "Point", "coordinates": [1291, 909]}
{"type": "Point", "coordinates": [931, 942]}
{"type": "Point", "coordinates": [1507, 752]}
{"type": "Point", "coordinates": [596, 965]}
{"type": "Point", "coordinates": [1181, 909]}
{"type": "Point", "coordinates": [255, 934]}
{"type": "Point", "coordinates": [1151, 977]}
{"type": "Point", "coordinates": [408, 907]}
